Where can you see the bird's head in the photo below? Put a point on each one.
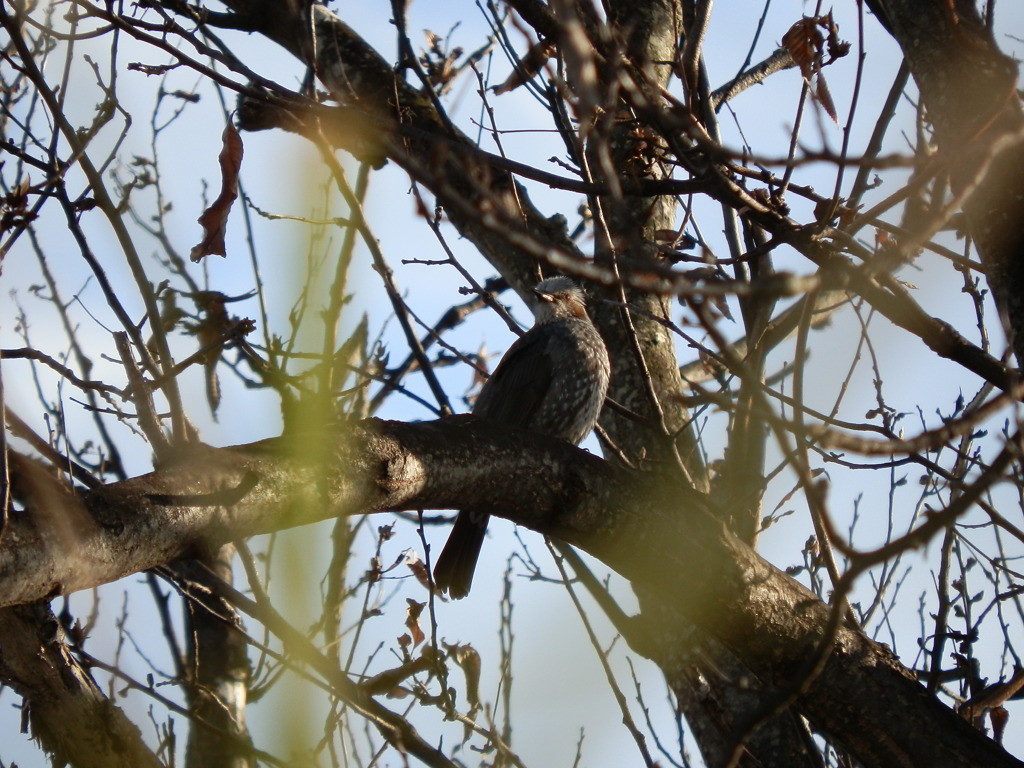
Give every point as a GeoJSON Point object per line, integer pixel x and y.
{"type": "Point", "coordinates": [558, 298]}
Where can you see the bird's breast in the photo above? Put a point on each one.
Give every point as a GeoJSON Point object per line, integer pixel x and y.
{"type": "Point", "coordinates": [579, 381]}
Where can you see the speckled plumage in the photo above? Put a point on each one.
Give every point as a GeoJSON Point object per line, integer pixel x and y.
{"type": "Point", "coordinates": [553, 380]}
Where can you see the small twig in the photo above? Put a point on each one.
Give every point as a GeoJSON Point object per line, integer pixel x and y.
{"type": "Point", "coordinates": [149, 420]}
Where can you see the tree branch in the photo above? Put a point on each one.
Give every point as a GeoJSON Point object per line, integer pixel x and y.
{"type": "Point", "coordinates": [659, 535]}
{"type": "Point", "coordinates": [72, 718]}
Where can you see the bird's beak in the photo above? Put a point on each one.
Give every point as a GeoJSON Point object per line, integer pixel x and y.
{"type": "Point", "coordinates": [542, 295]}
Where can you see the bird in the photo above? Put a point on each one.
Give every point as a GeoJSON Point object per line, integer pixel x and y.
{"type": "Point", "coordinates": [552, 380]}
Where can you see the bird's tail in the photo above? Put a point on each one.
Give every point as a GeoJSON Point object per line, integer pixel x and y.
{"type": "Point", "coordinates": [453, 572]}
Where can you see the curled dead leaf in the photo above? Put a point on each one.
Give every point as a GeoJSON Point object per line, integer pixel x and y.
{"type": "Point", "coordinates": [214, 220]}
{"type": "Point", "coordinates": [412, 621]}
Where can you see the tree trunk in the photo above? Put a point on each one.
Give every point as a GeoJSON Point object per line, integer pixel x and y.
{"type": "Point", "coordinates": [969, 89]}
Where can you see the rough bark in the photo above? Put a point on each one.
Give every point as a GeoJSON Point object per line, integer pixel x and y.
{"type": "Point", "coordinates": [67, 712]}
{"type": "Point", "coordinates": [664, 541]}
{"type": "Point", "coordinates": [713, 689]}
{"type": "Point", "coordinates": [969, 88]}
{"type": "Point", "coordinates": [217, 667]}
{"type": "Point", "coordinates": [645, 367]}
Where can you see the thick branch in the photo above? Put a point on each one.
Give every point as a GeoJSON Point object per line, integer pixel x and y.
{"type": "Point", "coordinates": [69, 714]}
{"type": "Point", "coordinates": [969, 89]}
{"type": "Point", "coordinates": [656, 534]}
{"type": "Point", "coordinates": [417, 135]}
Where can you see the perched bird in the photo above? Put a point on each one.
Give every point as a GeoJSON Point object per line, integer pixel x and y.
{"type": "Point", "coordinates": [552, 380]}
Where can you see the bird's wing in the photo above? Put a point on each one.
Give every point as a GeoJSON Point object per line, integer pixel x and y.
{"type": "Point", "coordinates": [514, 392]}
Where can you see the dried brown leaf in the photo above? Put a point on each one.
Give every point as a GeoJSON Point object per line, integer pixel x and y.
{"type": "Point", "coordinates": [468, 660]}
{"type": "Point", "coordinates": [214, 220]}
{"type": "Point", "coordinates": [412, 621]}
{"type": "Point", "coordinates": [804, 41]}
{"type": "Point", "coordinates": [418, 568]}
{"type": "Point", "coordinates": [825, 98]}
